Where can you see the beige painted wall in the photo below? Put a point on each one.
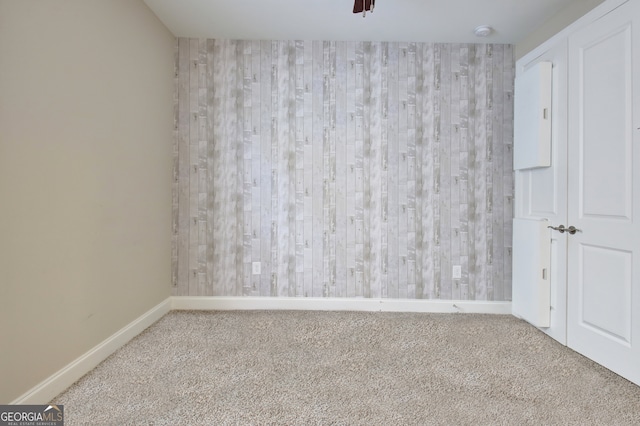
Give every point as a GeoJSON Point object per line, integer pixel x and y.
{"type": "Point", "coordinates": [560, 20]}
{"type": "Point", "coordinates": [86, 123]}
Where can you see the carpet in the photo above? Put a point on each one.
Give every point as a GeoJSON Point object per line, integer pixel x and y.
{"type": "Point", "coordinates": [347, 368]}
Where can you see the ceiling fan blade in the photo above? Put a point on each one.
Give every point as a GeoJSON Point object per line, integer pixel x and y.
{"type": "Point", "coordinates": [361, 5]}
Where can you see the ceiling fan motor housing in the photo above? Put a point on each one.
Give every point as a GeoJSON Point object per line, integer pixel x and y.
{"type": "Point", "coordinates": [361, 5]}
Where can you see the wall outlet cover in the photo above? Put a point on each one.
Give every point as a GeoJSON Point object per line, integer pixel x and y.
{"type": "Point", "coordinates": [457, 272]}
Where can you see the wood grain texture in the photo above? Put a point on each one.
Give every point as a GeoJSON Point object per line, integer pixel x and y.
{"type": "Point", "coordinates": [184, 235]}
{"type": "Point", "coordinates": [308, 119]}
{"type": "Point", "coordinates": [194, 172]}
{"type": "Point", "coordinates": [175, 204]}
{"type": "Point", "coordinates": [266, 164]}
{"type": "Point", "coordinates": [211, 171]}
{"type": "Point", "coordinates": [374, 176]}
{"type": "Point", "coordinates": [345, 169]}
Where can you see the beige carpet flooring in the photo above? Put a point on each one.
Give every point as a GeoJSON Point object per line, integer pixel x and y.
{"type": "Point", "coordinates": [347, 368]}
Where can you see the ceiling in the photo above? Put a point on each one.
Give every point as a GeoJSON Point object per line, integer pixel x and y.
{"type": "Point", "coordinates": [450, 21]}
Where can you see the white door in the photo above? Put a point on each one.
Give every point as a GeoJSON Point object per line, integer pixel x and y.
{"type": "Point", "coordinates": [541, 193]}
{"type": "Point", "coordinates": [603, 294]}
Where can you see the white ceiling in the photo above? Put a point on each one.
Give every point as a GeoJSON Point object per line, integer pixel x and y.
{"type": "Point", "coordinates": [450, 21]}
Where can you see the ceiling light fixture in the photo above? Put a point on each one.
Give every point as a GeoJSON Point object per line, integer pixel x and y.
{"type": "Point", "coordinates": [483, 31]}
{"type": "Point", "coordinates": [363, 6]}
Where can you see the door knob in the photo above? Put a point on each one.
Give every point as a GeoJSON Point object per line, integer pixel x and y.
{"type": "Point", "coordinates": [572, 230]}
{"type": "Point", "coordinates": [560, 228]}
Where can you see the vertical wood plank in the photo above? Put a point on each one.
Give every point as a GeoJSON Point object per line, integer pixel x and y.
{"type": "Point", "coordinates": [393, 171]}
{"type": "Point", "coordinates": [403, 123]}
{"type": "Point", "coordinates": [215, 163]}
{"type": "Point", "coordinates": [488, 166]}
{"type": "Point", "coordinates": [326, 196]}
{"type": "Point", "coordinates": [346, 169]}
{"type": "Point", "coordinates": [497, 167]}
{"type": "Point", "coordinates": [309, 170]}
{"type": "Point", "coordinates": [318, 169]}
{"type": "Point", "coordinates": [411, 171]}
{"type": "Point", "coordinates": [292, 168]}
{"type": "Point", "coordinates": [443, 133]}
{"type": "Point", "coordinates": [275, 187]}
{"type": "Point", "coordinates": [427, 200]}
{"type": "Point", "coordinates": [256, 165]}
{"type": "Point", "coordinates": [366, 169]}
{"type": "Point", "coordinates": [478, 189]}
{"type": "Point", "coordinates": [202, 287]}
{"type": "Point", "coordinates": [299, 168]}
{"type": "Point", "coordinates": [183, 167]}
{"type": "Point", "coordinates": [175, 189]}
{"type": "Point", "coordinates": [281, 142]}
{"type": "Point", "coordinates": [384, 172]}
{"type": "Point", "coordinates": [359, 168]}
{"type": "Point", "coordinates": [330, 174]}
{"type": "Point", "coordinates": [248, 287]}
{"type": "Point", "coordinates": [454, 166]}
{"type": "Point", "coordinates": [239, 142]}
{"type": "Point", "coordinates": [210, 114]}
{"type": "Point", "coordinates": [420, 184]}
{"type": "Point", "coordinates": [229, 155]}
{"type": "Point", "coordinates": [374, 172]}
{"type": "Point", "coordinates": [351, 168]}
{"type": "Point", "coordinates": [265, 169]}
{"type": "Point", "coordinates": [463, 170]}
{"type": "Point", "coordinates": [194, 114]}
{"type": "Point", "coordinates": [341, 169]}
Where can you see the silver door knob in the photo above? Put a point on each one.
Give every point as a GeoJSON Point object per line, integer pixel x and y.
{"type": "Point", "coordinates": [559, 228]}
{"type": "Point", "coordinates": [572, 230]}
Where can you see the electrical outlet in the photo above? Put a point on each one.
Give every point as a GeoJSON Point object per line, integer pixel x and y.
{"type": "Point", "coordinates": [256, 267]}
{"type": "Point", "coordinates": [457, 272]}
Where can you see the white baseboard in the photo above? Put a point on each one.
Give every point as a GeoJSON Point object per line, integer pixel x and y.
{"type": "Point", "coordinates": [337, 304]}
{"type": "Point", "coordinates": [44, 392]}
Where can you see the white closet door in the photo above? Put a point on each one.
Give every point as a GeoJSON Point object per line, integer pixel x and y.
{"type": "Point", "coordinates": [603, 311]}
{"type": "Point", "coordinates": [541, 193]}
{"type": "Point", "coordinates": [531, 271]}
{"type": "Point", "coordinates": [532, 109]}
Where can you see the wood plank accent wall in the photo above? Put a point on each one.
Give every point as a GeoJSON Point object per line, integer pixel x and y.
{"type": "Point", "coordinates": [346, 169]}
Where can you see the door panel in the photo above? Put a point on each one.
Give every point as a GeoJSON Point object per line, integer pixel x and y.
{"type": "Point", "coordinates": [531, 265]}
{"type": "Point", "coordinates": [542, 203]}
{"type": "Point", "coordinates": [542, 192]}
{"type": "Point", "coordinates": [606, 309]}
{"type": "Point", "coordinates": [603, 286]}
{"type": "Point", "coordinates": [532, 120]}
{"type": "Point", "coordinates": [605, 139]}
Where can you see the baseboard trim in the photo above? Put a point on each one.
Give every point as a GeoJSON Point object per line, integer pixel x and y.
{"type": "Point", "coordinates": [338, 304]}
{"type": "Point", "coordinates": [48, 389]}
{"type": "Point", "coordinates": [45, 391]}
